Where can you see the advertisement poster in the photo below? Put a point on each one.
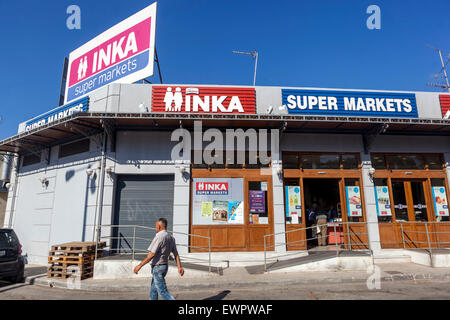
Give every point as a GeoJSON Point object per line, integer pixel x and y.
{"type": "Point", "coordinates": [293, 202]}
{"type": "Point", "coordinates": [254, 218]}
{"type": "Point", "coordinates": [440, 202]}
{"type": "Point", "coordinates": [211, 198]}
{"type": "Point", "coordinates": [257, 201]}
{"type": "Point", "coordinates": [383, 203]}
{"type": "Point", "coordinates": [354, 208]}
{"type": "Point", "coordinates": [220, 211]}
{"type": "Point", "coordinates": [206, 209]}
{"type": "Point", "coordinates": [236, 212]}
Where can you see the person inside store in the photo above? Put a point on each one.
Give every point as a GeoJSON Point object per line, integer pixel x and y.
{"type": "Point", "coordinates": [311, 222]}
{"type": "Point", "coordinates": [321, 222]}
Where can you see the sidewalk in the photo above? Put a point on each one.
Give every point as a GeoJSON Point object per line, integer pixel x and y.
{"type": "Point", "coordinates": [238, 277]}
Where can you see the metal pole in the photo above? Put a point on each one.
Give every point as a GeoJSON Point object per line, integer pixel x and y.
{"type": "Point", "coordinates": [428, 238]}
{"type": "Point", "coordinates": [265, 264]}
{"type": "Point", "coordinates": [403, 236]}
{"type": "Point", "coordinates": [335, 240]}
{"type": "Point", "coordinates": [349, 237]}
{"type": "Point", "coordinates": [256, 66]}
{"type": "Point", "coordinates": [209, 248]}
{"type": "Point", "coordinates": [99, 206]}
{"type": "Point", "coordinates": [445, 72]}
{"type": "Point", "coordinates": [134, 242]}
{"type": "Point", "coordinates": [12, 209]}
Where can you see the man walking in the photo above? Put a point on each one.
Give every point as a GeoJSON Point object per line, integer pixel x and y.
{"type": "Point", "coordinates": [160, 248]}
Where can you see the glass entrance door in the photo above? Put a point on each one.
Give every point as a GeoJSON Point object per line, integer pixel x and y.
{"type": "Point", "coordinates": [419, 201]}
{"type": "Point", "coordinates": [400, 203]}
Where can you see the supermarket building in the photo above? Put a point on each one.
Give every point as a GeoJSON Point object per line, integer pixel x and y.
{"type": "Point", "coordinates": [381, 159]}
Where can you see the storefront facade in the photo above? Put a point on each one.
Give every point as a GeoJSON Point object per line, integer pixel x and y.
{"type": "Point", "coordinates": [380, 159]}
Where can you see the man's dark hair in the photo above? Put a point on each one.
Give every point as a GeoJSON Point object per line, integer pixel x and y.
{"type": "Point", "coordinates": [163, 222]}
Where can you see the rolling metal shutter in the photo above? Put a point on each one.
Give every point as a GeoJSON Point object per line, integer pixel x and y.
{"type": "Point", "coordinates": [141, 200]}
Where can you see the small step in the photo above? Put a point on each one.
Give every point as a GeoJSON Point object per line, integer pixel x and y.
{"type": "Point", "coordinates": [380, 259]}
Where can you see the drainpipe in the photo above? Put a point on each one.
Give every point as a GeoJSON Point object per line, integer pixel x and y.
{"type": "Point", "coordinates": [6, 170]}
{"type": "Point", "coordinates": [12, 209]}
{"type": "Point", "coordinates": [99, 205]}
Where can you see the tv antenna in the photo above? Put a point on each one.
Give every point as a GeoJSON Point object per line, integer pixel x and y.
{"type": "Point", "coordinates": [254, 55]}
{"type": "Point", "coordinates": [443, 72]}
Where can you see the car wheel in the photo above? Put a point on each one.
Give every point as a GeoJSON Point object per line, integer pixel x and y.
{"type": "Point", "coordinates": [18, 278]}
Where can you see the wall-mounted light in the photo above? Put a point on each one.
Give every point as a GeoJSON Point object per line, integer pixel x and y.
{"type": "Point", "coordinates": [8, 185]}
{"type": "Point", "coordinates": [89, 172]}
{"type": "Point", "coordinates": [372, 171]}
{"type": "Point", "coordinates": [43, 181]}
{"type": "Point", "coordinates": [182, 169]}
{"type": "Point", "coordinates": [109, 169]}
{"type": "Point", "coordinates": [142, 107]}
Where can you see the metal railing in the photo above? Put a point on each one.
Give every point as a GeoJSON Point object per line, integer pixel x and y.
{"type": "Point", "coordinates": [123, 244]}
{"type": "Point", "coordinates": [339, 238]}
{"type": "Point", "coordinates": [407, 239]}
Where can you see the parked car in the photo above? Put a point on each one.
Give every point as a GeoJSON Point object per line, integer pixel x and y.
{"type": "Point", "coordinates": [11, 259]}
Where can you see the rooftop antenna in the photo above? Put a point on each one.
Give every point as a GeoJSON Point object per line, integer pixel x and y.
{"type": "Point", "coordinates": [443, 70]}
{"type": "Point", "coordinates": [254, 55]}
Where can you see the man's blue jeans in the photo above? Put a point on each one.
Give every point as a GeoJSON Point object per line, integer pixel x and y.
{"type": "Point", "coordinates": [158, 286]}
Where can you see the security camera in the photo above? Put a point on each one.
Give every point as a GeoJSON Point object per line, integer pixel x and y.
{"type": "Point", "coordinates": [89, 171]}
{"type": "Point", "coordinates": [372, 171]}
{"type": "Point", "coordinates": [269, 110]}
{"type": "Point", "coordinates": [109, 169]}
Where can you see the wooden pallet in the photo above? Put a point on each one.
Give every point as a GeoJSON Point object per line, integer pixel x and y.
{"type": "Point", "coordinates": [67, 269]}
{"type": "Point", "coordinates": [78, 246]}
{"type": "Point", "coordinates": [63, 275]}
{"type": "Point", "coordinates": [75, 253]}
{"type": "Point", "coordinates": [70, 259]}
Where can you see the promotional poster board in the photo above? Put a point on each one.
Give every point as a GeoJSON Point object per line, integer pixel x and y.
{"type": "Point", "coordinates": [354, 207]}
{"type": "Point", "coordinates": [217, 201]}
{"type": "Point", "coordinates": [440, 201]}
{"type": "Point", "coordinates": [293, 204]}
{"type": "Point", "coordinates": [383, 203]}
{"type": "Point", "coordinates": [122, 54]}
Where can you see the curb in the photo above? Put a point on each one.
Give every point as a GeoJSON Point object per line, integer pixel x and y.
{"type": "Point", "coordinates": [42, 280]}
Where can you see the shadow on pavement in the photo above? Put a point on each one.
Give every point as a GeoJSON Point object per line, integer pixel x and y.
{"type": "Point", "coordinates": [219, 296]}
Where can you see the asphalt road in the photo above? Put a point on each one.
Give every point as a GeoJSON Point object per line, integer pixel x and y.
{"type": "Point", "coordinates": [396, 290]}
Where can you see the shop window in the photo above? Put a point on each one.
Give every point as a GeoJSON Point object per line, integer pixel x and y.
{"type": "Point", "coordinates": [291, 161]}
{"type": "Point", "coordinates": [320, 161]}
{"type": "Point", "coordinates": [350, 161]}
{"type": "Point", "coordinates": [434, 162]}
{"type": "Point", "coordinates": [405, 161]}
{"type": "Point", "coordinates": [257, 197]}
{"type": "Point", "coordinates": [440, 200]}
{"type": "Point", "coordinates": [217, 201]}
{"type": "Point", "coordinates": [73, 148]}
{"type": "Point", "coordinates": [30, 159]}
{"type": "Point", "coordinates": [378, 161]}
{"type": "Point", "coordinates": [383, 202]}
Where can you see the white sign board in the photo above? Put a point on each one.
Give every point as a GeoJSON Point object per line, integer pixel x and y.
{"type": "Point", "coordinates": [121, 54]}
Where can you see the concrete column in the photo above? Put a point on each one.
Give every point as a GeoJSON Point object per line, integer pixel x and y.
{"type": "Point", "coordinates": [278, 204]}
{"type": "Point", "coordinates": [181, 208]}
{"type": "Point", "coordinates": [370, 202]}
{"type": "Point", "coordinates": [12, 194]}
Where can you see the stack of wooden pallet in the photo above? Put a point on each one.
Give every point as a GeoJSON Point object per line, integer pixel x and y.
{"type": "Point", "coordinates": [73, 259]}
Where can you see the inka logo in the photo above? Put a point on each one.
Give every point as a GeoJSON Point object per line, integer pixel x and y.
{"type": "Point", "coordinates": [174, 102]}
{"type": "Point", "coordinates": [207, 188]}
{"type": "Point", "coordinates": [82, 68]}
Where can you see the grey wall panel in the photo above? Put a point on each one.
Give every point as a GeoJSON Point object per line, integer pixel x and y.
{"type": "Point", "coordinates": [428, 105]}
{"type": "Point", "coordinates": [269, 96]}
{"type": "Point", "coordinates": [321, 142]}
{"type": "Point", "coordinates": [131, 96]}
{"type": "Point", "coordinates": [411, 144]}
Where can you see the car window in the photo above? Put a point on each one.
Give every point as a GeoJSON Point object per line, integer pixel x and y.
{"type": "Point", "coordinates": [6, 239]}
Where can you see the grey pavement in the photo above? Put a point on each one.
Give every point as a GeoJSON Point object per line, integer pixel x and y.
{"type": "Point", "coordinates": [240, 278]}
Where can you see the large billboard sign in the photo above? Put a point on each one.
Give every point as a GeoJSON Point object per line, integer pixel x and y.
{"type": "Point", "coordinates": [121, 54]}
{"type": "Point", "coordinates": [350, 103]}
{"type": "Point", "coordinates": [182, 99]}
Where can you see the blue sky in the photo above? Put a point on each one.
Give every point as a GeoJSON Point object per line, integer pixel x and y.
{"type": "Point", "coordinates": [323, 43]}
